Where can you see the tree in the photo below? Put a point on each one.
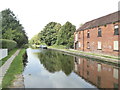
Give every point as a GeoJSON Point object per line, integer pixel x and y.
{"type": "Point", "coordinates": [65, 35]}
{"type": "Point", "coordinates": [49, 34]}
{"type": "Point", "coordinates": [35, 40]}
{"type": "Point", "coordinates": [12, 29]}
{"type": "Point", "coordinates": [55, 61]}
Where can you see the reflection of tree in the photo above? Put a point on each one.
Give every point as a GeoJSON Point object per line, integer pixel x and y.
{"type": "Point", "coordinates": [54, 61]}
{"type": "Point", "coordinates": [25, 61]}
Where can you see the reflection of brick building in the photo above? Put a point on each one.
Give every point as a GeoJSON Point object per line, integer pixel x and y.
{"type": "Point", "coordinates": [99, 35]}
{"type": "Point", "coordinates": [99, 74]}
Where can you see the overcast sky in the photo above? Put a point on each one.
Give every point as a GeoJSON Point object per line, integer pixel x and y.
{"type": "Point", "coordinates": [35, 14]}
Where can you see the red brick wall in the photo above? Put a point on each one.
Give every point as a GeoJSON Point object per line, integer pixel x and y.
{"type": "Point", "coordinates": [106, 73]}
{"type": "Point", "coordinates": [107, 40]}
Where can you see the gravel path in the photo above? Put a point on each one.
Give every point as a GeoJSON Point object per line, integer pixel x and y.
{"type": "Point", "coordinates": [5, 67]}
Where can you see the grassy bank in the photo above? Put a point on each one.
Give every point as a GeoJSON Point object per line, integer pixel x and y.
{"type": "Point", "coordinates": [58, 47]}
{"type": "Point", "coordinates": [16, 68]}
{"type": "Point", "coordinates": [84, 53]}
{"type": "Point", "coordinates": [10, 53]}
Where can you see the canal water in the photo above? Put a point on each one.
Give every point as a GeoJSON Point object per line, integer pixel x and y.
{"type": "Point", "coordinates": [53, 69]}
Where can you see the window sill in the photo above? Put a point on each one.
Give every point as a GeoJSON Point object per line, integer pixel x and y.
{"type": "Point", "coordinates": [116, 50]}
{"type": "Point", "coordinates": [99, 49]}
{"type": "Point", "coordinates": [99, 36]}
{"type": "Point", "coordinates": [116, 34]}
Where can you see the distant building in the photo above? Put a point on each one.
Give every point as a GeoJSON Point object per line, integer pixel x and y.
{"type": "Point", "coordinates": [100, 35]}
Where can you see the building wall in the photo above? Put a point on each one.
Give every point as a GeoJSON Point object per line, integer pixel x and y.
{"type": "Point", "coordinates": [107, 40]}
{"type": "Point", "coordinates": [99, 74]}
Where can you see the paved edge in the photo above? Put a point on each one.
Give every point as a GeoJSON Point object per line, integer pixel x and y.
{"type": "Point", "coordinates": [6, 65]}
{"type": "Point", "coordinates": [89, 56]}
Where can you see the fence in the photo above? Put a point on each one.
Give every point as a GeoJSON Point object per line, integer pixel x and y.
{"type": "Point", "coordinates": [3, 53]}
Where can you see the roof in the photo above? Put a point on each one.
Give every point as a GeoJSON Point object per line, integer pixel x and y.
{"type": "Point", "coordinates": [110, 18]}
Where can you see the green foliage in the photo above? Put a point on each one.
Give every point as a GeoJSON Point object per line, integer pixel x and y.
{"type": "Point", "coordinates": [65, 35]}
{"type": "Point", "coordinates": [35, 40]}
{"type": "Point", "coordinates": [55, 61]}
{"type": "Point", "coordinates": [12, 71]}
{"type": "Point", "coordinates": [58, 46]}
{"type": "Point", "coordinates": [12, 29]}
{"type": "Point", "coordinates": [9, 44]}
{"type": "Point", "coordinates": [49, 34]}
{"type": "Point", "coordinates": [55, 34]}
{"type": "Point", "coordinates": [25, 46]}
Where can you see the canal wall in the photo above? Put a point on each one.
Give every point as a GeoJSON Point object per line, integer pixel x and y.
{"type": "Point", "coordinates": [104, 59]}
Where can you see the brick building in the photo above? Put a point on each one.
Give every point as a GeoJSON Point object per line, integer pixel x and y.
{"type": "Point", "coordinates": [99, 74]}
{"type": "Point", "coordinates": [100, 35]}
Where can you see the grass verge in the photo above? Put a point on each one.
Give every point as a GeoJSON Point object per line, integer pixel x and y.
{"type": "Point", "coordinates": [94, 54]}
{"type": "Point", "coordinates": [16, 68]}
{"type": "Point", "coordinates": [58, 47]}
{"type": "Point", "coordinates": [2, 61]}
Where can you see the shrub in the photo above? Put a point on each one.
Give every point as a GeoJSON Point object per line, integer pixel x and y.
{"type": "Point", "coordinates": [25, 46]}
{"type": "Point", "coordinates": [9, 44]}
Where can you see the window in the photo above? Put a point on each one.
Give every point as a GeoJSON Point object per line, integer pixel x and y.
{"type": "Point", "coordinates": [88, 45]}
{"type": "Point", "coordinates": [88, 34]}
{"type": "Point", "coordinates": [99, 45]}
{"type": "Point", "coordinates": [99, 67]}
{"type": "Point", "coordinates": [116, 30]}
{"type": "Point", "coordinates": [116, 45]}
{"type": "Point", "coordinates": [116, 85]}
{"type": "Point", "coordinates": [98, 81]}
{"type": "Point", "coordinates": [76, 37]}
{"type": "Point", "coordinates": [79, 44]}
{"type": "Point", "coordinates": [79, 34]}
{"type": "Point", "coordinates": [88, 73]}
{"type": "Point", "coordinates": [115, 73]}
{"type": "Point", "coordinates": [79, 61]}
{"type": "Point", "coordinates": [99, 32]}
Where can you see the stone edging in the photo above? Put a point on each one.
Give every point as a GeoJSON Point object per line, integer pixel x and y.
{"type": "Point", "coordinates": [89, 56]}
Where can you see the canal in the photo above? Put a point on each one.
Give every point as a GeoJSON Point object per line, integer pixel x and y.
{"type": "Point", "coordinates": [53, 69]}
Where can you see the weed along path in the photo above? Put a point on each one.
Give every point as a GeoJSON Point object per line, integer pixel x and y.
{"type": "Point", "coordinates": [5, 67]}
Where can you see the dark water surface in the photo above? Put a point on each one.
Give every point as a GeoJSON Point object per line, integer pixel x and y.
{"type": "Point", "coordinates": [53, 69]}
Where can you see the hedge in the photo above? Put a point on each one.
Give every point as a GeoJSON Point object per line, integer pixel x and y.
{"type": "Point", "coordinates": [9, 44]}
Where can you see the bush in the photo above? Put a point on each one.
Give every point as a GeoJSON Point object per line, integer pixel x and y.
{"type": "Point", "coordinates": [9, 44]}
{"type": "Point", "coordinates": [25, 46]}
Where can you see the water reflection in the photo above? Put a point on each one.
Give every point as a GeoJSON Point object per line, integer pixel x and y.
{"type": "Point", "coordinates": [100, 74]}
{"type": "Point", "coordinates": [53, 69]}
{"type": "Point", "coordinates": [54, 61]}
{"type": "Point", "coordinates": [25, 61]}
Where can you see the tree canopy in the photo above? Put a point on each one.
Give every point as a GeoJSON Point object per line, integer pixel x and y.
{"type": "Point", "coordinates": [49, 34]}
{"type": "Point", "coordinates": [12, 29]}
{"type": "Point", "coordinates": [35, 40]}
{"type": "Point", "coordinates": [55, 34]}
{"type": "Point", "coordinates": [66, 35]}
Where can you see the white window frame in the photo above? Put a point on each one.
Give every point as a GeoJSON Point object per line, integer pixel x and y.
{"type": "Point", "coordinates": [115, 73]}
{"type": "Point", "coordinates": [99, 45]}
{"type": "Point", "coordinates": [116, 26]}
{"type": "Point", "coordinates": [115, 45]}
{"type": "Point", "coordinates": [88, 45]}
{"type": "Point", "coordinates": [99, 67]}
{"type": "Point", "coordinates": [76, 37]}
{"type": "Point", "coordinates": [79, 44]}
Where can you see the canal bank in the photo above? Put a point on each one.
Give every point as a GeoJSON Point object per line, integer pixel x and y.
{"type": "Point", "coordinates": [12, 78]}
{"type": "Point", "coordinates": [103, 58]}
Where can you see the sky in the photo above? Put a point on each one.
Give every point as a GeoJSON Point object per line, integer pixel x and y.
{"type": "Point", "coordinates": [35, 14]}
